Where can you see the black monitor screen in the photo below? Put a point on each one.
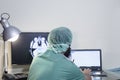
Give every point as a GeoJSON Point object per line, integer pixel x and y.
{"type": "Point", "coordinates": [27, 46]}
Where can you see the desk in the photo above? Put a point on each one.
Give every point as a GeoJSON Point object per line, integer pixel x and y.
{"type": "Point", "coordinates": [109, 77]}
{"type": "Point", "coordinates": [22, 76]}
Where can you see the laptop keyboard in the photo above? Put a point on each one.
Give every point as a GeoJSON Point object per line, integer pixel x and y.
{"type": "Point", "coordinates": [98, 73]}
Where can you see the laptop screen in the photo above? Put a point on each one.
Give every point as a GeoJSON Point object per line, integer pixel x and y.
{"type": "Point", "coordinates": [87, 58]}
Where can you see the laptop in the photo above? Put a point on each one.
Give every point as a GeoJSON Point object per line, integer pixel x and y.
{"type": "Point", "coordinates": [88, 58]}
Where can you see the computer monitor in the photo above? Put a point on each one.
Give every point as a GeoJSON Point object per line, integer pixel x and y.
{"type": "Point", "coordinates": [87, 58]}
{"type": "Point", "coordinates": [27, 46]}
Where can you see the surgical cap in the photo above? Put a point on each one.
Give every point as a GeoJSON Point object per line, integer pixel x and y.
{"type": "Point", "coordinates": [60, 39]}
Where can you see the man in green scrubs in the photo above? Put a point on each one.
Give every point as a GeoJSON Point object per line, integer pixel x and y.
{"type": "Point", "coordinates": [52, 64]}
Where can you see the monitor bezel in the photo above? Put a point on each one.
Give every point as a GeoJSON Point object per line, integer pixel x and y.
{"type": "Point", "coordinates": [93, 69]}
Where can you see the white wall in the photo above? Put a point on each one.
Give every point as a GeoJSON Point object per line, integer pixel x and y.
{"type": "Point", "coordinates": [94, 23]}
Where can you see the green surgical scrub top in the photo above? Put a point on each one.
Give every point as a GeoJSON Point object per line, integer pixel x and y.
{"type": "Point", "coordinates": [53, 66]}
